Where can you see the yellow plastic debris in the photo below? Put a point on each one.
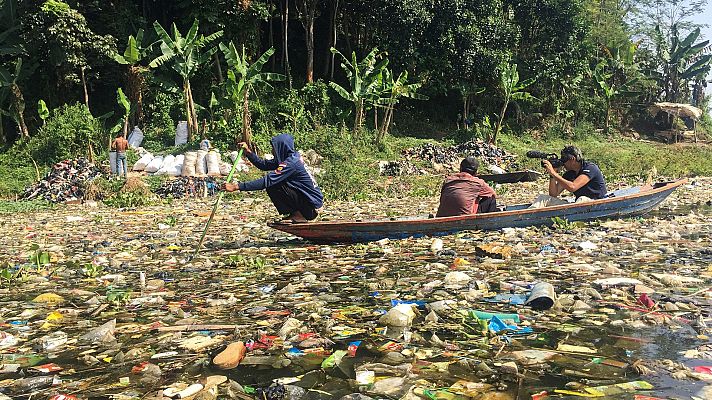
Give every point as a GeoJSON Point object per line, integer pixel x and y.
{"type": "Point", "coordinates": [48, 298]}
{"type": "Point", "coordinates": [55, 316]}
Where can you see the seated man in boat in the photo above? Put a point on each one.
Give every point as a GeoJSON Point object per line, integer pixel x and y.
{"type": "Point", "coordinates": [290, 186]}
{"type": "Point", "coordinates": [582, 178]}
{"type": "Point", "coordinates": [464, 193]}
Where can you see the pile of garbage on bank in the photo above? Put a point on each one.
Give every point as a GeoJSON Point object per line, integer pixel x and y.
{"type": "Point", "coordinates": [447, 158]}
{"type": "Point", "coordinates": [111, 304]}
{"type": "Point", "coordinates": [65, 181]}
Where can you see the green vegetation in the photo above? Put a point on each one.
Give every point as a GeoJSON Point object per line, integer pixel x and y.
{"type": "Point", "coordinates": [13, 207]}
{"type": "Point", "coordinates": [621, 158]}
{"type": "Point", "coordinates": [374, 76]}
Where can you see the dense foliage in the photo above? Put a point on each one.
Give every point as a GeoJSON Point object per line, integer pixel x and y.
{"type": "Point", "coordinates": [243, 70]}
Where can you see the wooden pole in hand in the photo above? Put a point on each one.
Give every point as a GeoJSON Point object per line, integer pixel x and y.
{"type": "Point", "coordinates": [217, 202]}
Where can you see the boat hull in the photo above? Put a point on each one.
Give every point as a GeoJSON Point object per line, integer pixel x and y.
{"type": "Point", "coordinates": [367, 231]}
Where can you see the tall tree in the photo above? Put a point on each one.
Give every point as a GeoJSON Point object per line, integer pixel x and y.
{"type": "Point", "coordinates": [285, 41]}
{"type": "Point", "coordinates": [555, 47]}
{"type": "Point", "coordinates": [186, 55]}
{"type": "Point", "coordinates": [68, 53]}
{"type": "Point", "coordinates": [650, 16]}
{"type": "Point", "coordinates": [333, 21]}
{"type": "Point", "coordinates": [307, 11]}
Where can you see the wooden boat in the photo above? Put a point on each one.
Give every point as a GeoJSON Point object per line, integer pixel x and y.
{"type": "Point", "coordinates": [621, 203]}
{"type": "Point", "coordinates": [512, 177]}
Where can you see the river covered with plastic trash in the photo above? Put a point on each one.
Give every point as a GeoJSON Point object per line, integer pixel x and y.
{"type": "Point", "coordinates": [97, 302]}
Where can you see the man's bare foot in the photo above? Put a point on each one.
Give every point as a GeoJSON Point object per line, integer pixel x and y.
{"type": "Point", "coordinates": [297, 218]}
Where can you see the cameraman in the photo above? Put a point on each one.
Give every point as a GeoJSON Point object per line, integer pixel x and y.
{"type": "Point", "coordinates": [582, 178]}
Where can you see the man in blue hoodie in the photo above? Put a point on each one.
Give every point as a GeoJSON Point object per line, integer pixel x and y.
{"type": "Point", "coordinates": [290, 186]}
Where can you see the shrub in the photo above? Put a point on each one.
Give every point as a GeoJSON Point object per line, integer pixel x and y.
{"type": "Point", "coordinates": [160, 126]}
{"type": "Point", "coordinates": [17, 173]}
{"type": "Point", "coordinates": [70, 131]}
{"type": "Point", "coordinates": [129, 199]}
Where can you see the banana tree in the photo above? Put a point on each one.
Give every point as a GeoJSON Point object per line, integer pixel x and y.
{"type": "Point", "coordinates": [186, 55]}
{"type": "Point", "coordinates": [364, 78]}
{"type": "Point", "coordinates": [9, 85]}
{"type": "Point", "coordinates": [125, 104]}
{"type": "Point", "coordinates": [612, 76]}
{"type": "Point", "coordinates": [242, 77]}
{"type": "Point", "coordinates": [682, 61]}
{"type": "Point", "coordinates": [135, 52]}
{"type": "Point", "coordinates": [393, 89]}
{"type": "Point", "coordinates": [511, 89]}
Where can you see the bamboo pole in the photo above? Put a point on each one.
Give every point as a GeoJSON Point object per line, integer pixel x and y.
{"type": "Point", "coordinates": [217, 202]}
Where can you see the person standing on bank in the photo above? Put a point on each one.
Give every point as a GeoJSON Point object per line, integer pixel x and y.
{"type": "Point", "coordinates": [120, 145]}
{"type": "Point", "coordinates": [582, 178]}
{"type": "Point", "coordinates": [290, 186]}
{"type": "Point", "coordinates": [464, 193]}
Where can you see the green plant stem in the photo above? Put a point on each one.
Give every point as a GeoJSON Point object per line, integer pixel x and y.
{"type": "Point", "coordinates": [217, 202]}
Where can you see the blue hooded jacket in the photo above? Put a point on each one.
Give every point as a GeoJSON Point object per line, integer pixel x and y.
{"type": "Point", "coordinates": [288, 167]}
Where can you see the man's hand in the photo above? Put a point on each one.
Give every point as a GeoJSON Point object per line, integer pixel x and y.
{"type": "Point", "coordinates": [549, 168]}
{"type": "Point", "coordinates": [231, 187]}
{"type": "Point", "coordinates": [245, 147]}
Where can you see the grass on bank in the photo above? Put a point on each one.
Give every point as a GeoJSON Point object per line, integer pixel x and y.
{"type": "Point", "coordinates": [350, 165]}
{"type": "Point", "coordinates": [621, 158]}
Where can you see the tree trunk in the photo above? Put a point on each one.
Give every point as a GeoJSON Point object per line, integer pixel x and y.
{"type": "Point", "coordinates": [387, 127]}
{"type": "Point", "coordinates": [3, 139]}
{"type": "Point", "coordinates": [193, 115]}
{"type": "Point", "coordinates": [188, 118]}
{"type": "Point", "coordinates": [608, 114]}
{"type": "Point", "coordinates": [310, 50]}
{"type": "Point", "coordinates": [18, 105]}
{"type": "Point", "coordinates": [385, 123]}
{"type": "Point", "coordinates": [329, 59]}
{"type": "Point", "coordinates": [384, 120]}
{"type": "Point", "coordinates": [270, 40]}
{"type": "Point", "coordinates": [375, 118]}
{"type": "Point", "coordinates": [135, 82]}
{"type": "Point", "coordinates": [246, 119]}
{"type": "Point", "coordinates": [465, 110]}
{"type": "Point", "coordinates": [23, 126]}
{"type": "Point", "coordinates": [285, 43]}
{"type": "Point", "coordinates": [493, 139]}
{"type": "Point", "coordinates": [139, 109]}
{"type": "Point", "coordinates": [307, 16]}
{"type": "Point", "coordinates": [86, 92]}
{"type": "Point", "coordinates": [358, 122]}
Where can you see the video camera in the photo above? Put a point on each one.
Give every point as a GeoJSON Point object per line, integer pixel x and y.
{"type": "Point", "coordinates": [553, 158]}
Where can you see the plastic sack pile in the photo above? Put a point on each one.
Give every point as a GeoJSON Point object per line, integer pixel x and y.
{"type": "Point", "coordinates": [191, 164]}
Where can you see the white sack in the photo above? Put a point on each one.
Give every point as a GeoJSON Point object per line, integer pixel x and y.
{"type": "Point", "coordinates": [154, 165]}
{"type": "Point", "coordinates": [143, 162]}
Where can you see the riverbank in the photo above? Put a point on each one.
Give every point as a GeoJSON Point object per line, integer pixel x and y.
{"type": "Point", "coordinates": [351, 171]}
